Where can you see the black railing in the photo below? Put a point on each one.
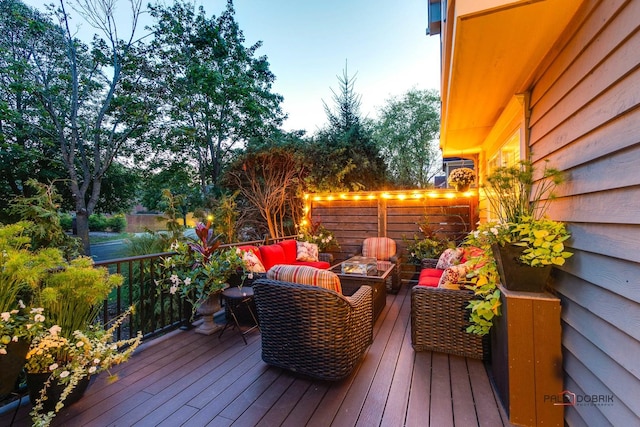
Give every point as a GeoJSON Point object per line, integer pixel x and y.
{"type": "Point", "coordinates": [156, 311]}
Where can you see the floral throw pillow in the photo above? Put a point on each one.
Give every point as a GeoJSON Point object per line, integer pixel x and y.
{"type": "Point", "coordinates": [252, 262]}
{"type": "Point", "coordinates": [307, 252]}
{"type": "Point", "coordinates": [449, 258]}
{"type": "Point", "coordinates": [453, 276]}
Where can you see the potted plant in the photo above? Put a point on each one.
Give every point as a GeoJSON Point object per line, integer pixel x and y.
{"type": "Point", "coordinates": [200, 271]}
{"type": "Point", "coordinates": [424, 248]}
{"type": "Point", "coordinates": [59, 367]}
{"type": "Point", "coordinates": [316, 233]}
{"type": "Point", "coordinates": [74, 346]}
{"type": "Point", "coordinates": [21, 272]}
{"type": "Point", "coordinates": [461, 178]}
{"type": "Point", "coordinates": [526, 243]}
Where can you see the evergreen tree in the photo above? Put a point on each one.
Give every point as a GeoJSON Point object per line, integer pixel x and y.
{"type": "Point", "coordinates": [344, 154]}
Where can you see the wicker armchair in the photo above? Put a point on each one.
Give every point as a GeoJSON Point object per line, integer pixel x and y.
{"type": "Point", "coordinates": [439, 320]}
{"type": "Point", "coordinates": [313, 331]}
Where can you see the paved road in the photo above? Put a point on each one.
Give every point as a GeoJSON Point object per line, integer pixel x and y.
{"type": "Point", "coordinates": [108, 250]}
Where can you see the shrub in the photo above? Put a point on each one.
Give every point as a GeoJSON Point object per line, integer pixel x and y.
{"type": "Point", "coordinates": [117, 223]}
{"type": "Point", "coordinates": [66, 221]}
{"type": "Point", "coordinates": [97, 222]}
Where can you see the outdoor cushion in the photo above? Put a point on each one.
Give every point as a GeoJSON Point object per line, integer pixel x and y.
{"type": "Point", "coordinates": [307, 251]}
{"type": "Point", "coordinates": [305, 275]}
{"type": "Point", "coordinates": [380, 248]}
{"type": "Point", "coordinates": [427, 279]}
{"type": "Point", "coordinates": [251, 258]}
{"type": "Point", "coordinates": [453, 276]}
{"type": "Point", "coordinates": [272, 255]}
{"type": "Point", "coordinates": [290, 250]}
{"type": "Point", "coordinates": [449, 257]}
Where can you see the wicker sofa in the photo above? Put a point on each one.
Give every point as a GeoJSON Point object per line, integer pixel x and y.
{"type": "Point", "coordinates": [439, 319]}
{"type": "Point", "coordinates": [312, 330]}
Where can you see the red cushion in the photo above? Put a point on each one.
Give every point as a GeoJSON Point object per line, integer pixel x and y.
{"type": "Point", "coordinates": [290, 251]}
{"type": "Point", "coordinates": [431, 272]}
{"type": "Point", "coordinates": [272, 255]}
{"type": "Point", "coordinates": [323, 265]}
{"type": "Point", "coordinates": [426, 279]}
{"type": "Point", "coordinates": [253, 249]}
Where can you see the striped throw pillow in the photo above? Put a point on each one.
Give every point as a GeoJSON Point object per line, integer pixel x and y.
{"type": "Point", "coordinates": [305, 275]}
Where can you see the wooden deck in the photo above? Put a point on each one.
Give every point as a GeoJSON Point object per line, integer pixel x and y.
{"type": "Point", "coordinates": [189, 379]}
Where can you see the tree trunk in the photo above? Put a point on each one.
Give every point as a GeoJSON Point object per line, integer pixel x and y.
{"type": "Point", "coordinates": [82, 224]}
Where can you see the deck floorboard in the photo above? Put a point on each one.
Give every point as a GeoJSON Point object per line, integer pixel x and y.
{"type": "Point", "coordinates": [189, 379]}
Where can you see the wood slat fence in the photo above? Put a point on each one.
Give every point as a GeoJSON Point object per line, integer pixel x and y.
{"type": "Point", "coordinates": [352, 217]}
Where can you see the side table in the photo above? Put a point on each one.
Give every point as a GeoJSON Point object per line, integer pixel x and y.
{"type": "Point", "coordinates": [236, 299]}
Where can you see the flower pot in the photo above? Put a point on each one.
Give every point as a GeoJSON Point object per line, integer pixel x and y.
{"type": "Point", "coordinates": [462, 187]}
{"type": "Point", "coordinates": [515, 275]}
{"type": "Point", "coordinates": [11, 364]}
{"type": "Point", "coordinates": [207, 309]}
{"type": "Point", "coordinates": [36, 381]}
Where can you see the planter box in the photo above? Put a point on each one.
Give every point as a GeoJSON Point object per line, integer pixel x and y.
{"type": "Point", "coordinates": [527, 358]}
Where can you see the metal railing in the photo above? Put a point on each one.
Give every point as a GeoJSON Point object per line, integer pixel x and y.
{"type": "Point", "coordinates": [156, 311]}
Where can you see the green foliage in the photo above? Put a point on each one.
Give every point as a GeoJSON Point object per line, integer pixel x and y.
{"type": "Point", "coordinates": [147, 243]}
{"type": "Point", "coordinates": [406, 134]}
{"type": "Point", "coordinates": [200, 267]}
{"type": "Point", "coordinates": [97, 222]}
{"type": "Point", "coordinates": [66, 221]}
{"type": "Point", "coordinates": [217, 91]}
{"type": "Point", "coordinates": [317, 233]}
{"type": "Point", "coordinates": [224, 217]}
{"type": "Point", "coordinates": [117, 223]}
{"type": "Point", "coordinates": [512, 194]}
{"type": "Point", "coordinates": [344, 155]}
{"type": "Point", "coordinates": [521, 202]}
{"type": "Point", "coordinates": [543, 239]}
{"type": "Point", "coordinates": [27, 149]}
{"type": "Point", "coordinates": [483, 281]}
{"type": "Point", "coordinates": [420, 247]}
{"type": "Point", "coordinates": [41, 210]}
{"type": "Point", "coordinates": [22, 272]}
{"type": "Point", "coordinates": [72, 296]}
{"type": "Point", "coordinates": [85, 105]}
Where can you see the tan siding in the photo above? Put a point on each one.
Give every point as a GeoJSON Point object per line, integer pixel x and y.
{"type": "Point", "coordinates": [583, 322]}
{"type": "Point", "coordinates": [572, 69]}
{"type": "Point", "coordinates": [598, 142]}
{"type": "Point", "coordinates": [585, 119]}
{"type": "Point", "coordinates": [617, 275]}
{"type": "Point", "coordinates": [590, 25]}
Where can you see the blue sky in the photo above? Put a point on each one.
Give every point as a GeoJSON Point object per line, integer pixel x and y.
{"type": "Point", "coordinates": [307, 43]}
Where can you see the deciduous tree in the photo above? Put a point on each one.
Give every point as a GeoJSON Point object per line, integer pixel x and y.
{"type": "Point", "coordinates": [218, 92]}
{"type": "Point", "coordinates": [406, 134]}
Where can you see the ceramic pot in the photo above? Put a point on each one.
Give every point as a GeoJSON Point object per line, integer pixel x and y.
{"type": "Point", "coordinates": [515, 275]}
{"type": "Point", "coordinates": [11, 364]}
{"type": "Point", "coordinates": [36, 381]}
{"type": "Point", "coordinates": [463, 187]}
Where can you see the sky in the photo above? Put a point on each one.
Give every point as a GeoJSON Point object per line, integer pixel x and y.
{"type": "Point", "coordinates": [382, 43]}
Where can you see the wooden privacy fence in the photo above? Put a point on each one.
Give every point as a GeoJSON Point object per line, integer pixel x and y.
{"type": "Point", "coordinates": [354, 216]}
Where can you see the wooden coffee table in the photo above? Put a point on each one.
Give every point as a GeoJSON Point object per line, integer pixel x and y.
{"type": "Point", "coordinates": [351, 283]}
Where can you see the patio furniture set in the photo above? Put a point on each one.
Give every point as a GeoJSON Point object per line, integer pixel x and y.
{"type": "Point", "coordinates": [317, 319]}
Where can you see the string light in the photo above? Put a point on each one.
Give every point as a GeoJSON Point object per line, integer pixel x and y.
{"type": "Point", "coordinates": [390, 195]}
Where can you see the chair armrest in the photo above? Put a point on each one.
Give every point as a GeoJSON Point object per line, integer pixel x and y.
{"type": "Point", "coordinates": [362, 320]}
{"type": "Point", "coordinates": [326, 257]}
{"type": "Point", "coordinates": [429, 262]}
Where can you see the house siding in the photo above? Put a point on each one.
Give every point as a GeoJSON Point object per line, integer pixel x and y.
{"type": "Point", "coordinates": [585, 119]}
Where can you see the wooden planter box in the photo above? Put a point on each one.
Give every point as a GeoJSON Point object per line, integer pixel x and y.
{"type": "Point", "coordinates": [527, 358]}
